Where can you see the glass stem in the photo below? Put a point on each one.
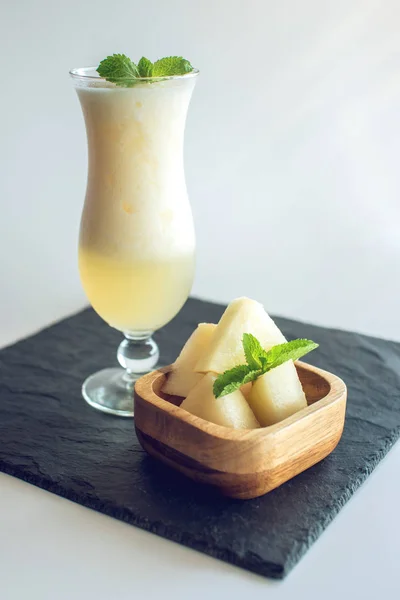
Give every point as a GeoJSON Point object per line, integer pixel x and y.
{"type": "Point", "coordinates": [138, 354]}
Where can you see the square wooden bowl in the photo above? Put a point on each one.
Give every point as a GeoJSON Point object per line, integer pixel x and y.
{"type": "Point", "coordinates": [241, 463]}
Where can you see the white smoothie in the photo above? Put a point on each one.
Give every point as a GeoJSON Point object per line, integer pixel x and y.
{"type": "Point", "coordinates": [136, 249]}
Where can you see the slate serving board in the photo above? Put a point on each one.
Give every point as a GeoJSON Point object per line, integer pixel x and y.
{"type": "Point", "coordinates": [50, 437]}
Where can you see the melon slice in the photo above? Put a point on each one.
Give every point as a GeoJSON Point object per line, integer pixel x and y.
{"type": "Point", "coordinates": [231, 410]}
{"type": "Point", "coordinates": [246, 389]}
{"type": "Point", "coordinates": [277, 394]}
{"type": "Point", "coordinates": [182, 378]}
{"type": "Point", "coordinates": [225, 350]}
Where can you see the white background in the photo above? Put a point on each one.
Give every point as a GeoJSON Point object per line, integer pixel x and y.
{"type": "Point", "coordinates": [292, 151]}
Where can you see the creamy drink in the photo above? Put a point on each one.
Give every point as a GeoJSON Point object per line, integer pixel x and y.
{"type": "Point", "coordinates": [136, 243]}
{"type": "Point", "coordinates": [136, 249]}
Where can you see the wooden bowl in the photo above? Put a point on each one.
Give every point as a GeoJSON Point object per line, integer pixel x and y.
{"type": "Point", "coordinates": [241, 463]}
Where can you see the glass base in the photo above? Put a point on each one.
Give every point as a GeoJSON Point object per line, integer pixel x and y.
{"type": "Point", "coordinates": [108, 390]}
{"type": "Point", "coordinates": [111, 390]}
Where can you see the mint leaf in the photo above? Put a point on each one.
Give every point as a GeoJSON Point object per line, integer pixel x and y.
{"type": "Point", "coordinates": [119, 69]}
{"type": "Point", "coordinates": [170, 66]}
{"type": "Point", "coordinates": [145, 67]}
{"type": "Point", "coordinates": [230, 380]}
{"type": "Point", "coordinates": [259, 362]}
{"type": "Point", "coordinates": [293, 350]}
{"type": "Point", "coordinates": [253, 351]}
{"type": "Point", "coordinates": [264, 362]}
{"type": "Point", "coordinates": [252, 375]}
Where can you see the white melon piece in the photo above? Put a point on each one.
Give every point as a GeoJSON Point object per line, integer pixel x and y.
{"type": "Point", "coordinates": [277, 394]}
{"type": "Point", "coordinates": [182, 378]}
{"type": "Point", "coordinates": [226, 350]}
{"type": "Point", "coordinates": [246, 389]}
{"type": "Point", "coordinates": [231, 410]}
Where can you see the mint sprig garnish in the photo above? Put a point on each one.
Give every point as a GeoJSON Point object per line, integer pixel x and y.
{"type": "Point", "coordinates": [170, 66]}
{"type": "Point", "coordinates": [122, 71]}
{"type": "Point", "coordinates": [119, 69]}
{"type": "Point", "coordinates": [253, 351]}
{"type": "Point", "coordinates": [293, 350]}
{"type": "Point", "coordinates": [259, 361]}
{"type": "Point", "coordinates": [230, 381]}
{"type": "Point", "coordinates": [145, 67]}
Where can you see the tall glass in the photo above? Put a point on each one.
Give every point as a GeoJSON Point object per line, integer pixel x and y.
{"type": "Point", "coordinates": [137, 243]}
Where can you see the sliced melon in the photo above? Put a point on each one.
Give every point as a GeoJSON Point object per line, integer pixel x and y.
{"type": "Point", "coordinates": [225, 350]}
{"type": "Point", "coordinates": [246, 389]}
{"type": "Point", "coordinates": [182, 377]}
{"type": "Point", "coordinates": [231, 410]}
{"type": "Point", "coordinates": [277, 394]}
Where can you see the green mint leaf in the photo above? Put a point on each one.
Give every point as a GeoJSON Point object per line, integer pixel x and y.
{"type": "Point", "coordinates": [264, 362]}
{"type": "Point", "coordinates": [252, 375]}
{"type": "Point", "coordinates": [293, 350]}
{"type": "Point", "coordinates": [119, 69]}
{"type": "Point", "coordinates": [259, 362]}
{"type": "Point", "coordinates": [253, 351]}
{"type": "Point", "coordinates": [230, 380]}
{"type": "Point", "coordinates": [122, 71]}
{"type": "Point", "coordinates": [170, 66]}
{"type": "Point", "coordinates": [145, 67]}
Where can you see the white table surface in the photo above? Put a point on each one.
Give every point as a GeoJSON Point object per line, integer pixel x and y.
{"type": "Point", "coordinates": [53, 549]}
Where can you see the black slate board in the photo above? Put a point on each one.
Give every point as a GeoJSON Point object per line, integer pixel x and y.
{"type": "Point", "coordinates": [50, 437]}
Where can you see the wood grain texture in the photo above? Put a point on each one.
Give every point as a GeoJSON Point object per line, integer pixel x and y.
{"type": "Point", "coordinates": [241, 463]}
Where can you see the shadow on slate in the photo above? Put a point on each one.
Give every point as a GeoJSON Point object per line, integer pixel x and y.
{"type": "Point", "coordinates": [50, 437]}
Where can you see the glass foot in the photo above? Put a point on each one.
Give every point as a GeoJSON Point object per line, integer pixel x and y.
{"type": "Point", "coordinates": [108, 390]}
{"type": "Point", "coordinates": [111, 390]}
